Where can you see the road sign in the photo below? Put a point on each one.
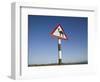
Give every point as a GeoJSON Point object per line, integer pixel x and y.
{"type": "Point", "coordinates": [59, 32]}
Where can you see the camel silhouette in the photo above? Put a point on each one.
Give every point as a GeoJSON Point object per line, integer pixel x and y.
{"type": "Point", "coordinates": [60, 32]}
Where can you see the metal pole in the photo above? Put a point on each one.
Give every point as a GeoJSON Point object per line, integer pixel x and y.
{"type": "Point", "coordinates": [59, 52]}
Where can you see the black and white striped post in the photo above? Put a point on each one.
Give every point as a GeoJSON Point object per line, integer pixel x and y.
{"type": "Point", "coordinates": [59, 52]}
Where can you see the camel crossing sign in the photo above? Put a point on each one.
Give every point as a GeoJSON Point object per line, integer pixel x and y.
{"type": "Point", "coordinates": [60, 34]}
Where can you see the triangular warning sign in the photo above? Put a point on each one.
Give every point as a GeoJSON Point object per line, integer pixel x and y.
{"type": "Point", "coordinates": [59, 32]}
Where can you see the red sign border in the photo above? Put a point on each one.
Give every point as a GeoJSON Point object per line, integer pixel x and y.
{"type": "Point", "coordinates": [58, 36]}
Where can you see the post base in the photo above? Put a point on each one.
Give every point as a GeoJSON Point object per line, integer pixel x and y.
{"type": "Point", "coordinates": [59, 61]}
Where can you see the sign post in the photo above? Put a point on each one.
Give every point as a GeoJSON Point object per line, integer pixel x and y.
{"type": "Point", "coordinates": [59, 52]}
{"type": "Point", "coordinates": [59, 33]}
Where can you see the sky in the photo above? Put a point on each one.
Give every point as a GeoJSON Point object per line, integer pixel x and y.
{"type": "Point", "coordinates": [43, 48]}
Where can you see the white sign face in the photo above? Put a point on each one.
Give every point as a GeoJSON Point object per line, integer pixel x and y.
{"type": "Point", "coordinates": [59, 32]}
